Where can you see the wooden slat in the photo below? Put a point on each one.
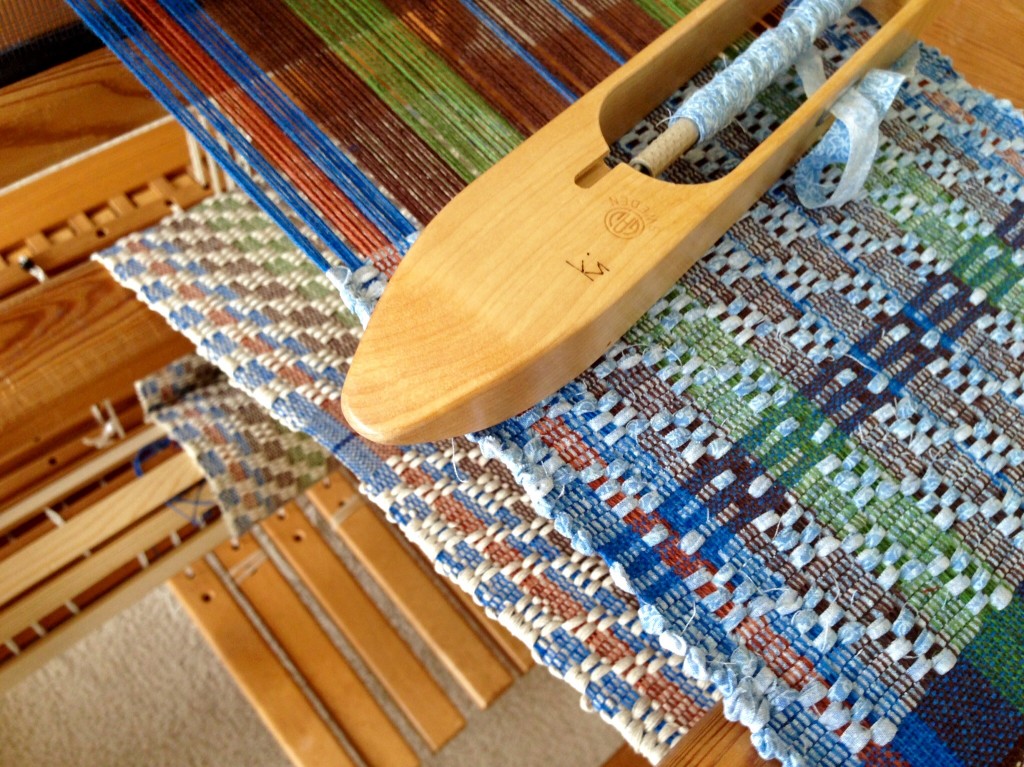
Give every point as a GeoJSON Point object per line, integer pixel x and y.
{"type": "Point", "coordinates": [445, 631]}
{"type": "Point", "coordinates": [91, 181]}
{"type": "Point", "coordinates": [62, 458]}
{"type": "Point", "coordinates": [68, 109]}
{"type": "Point", "coordinates": [983, 38]}
{"type": "Point", "coordinates": [626, 757]}
{"type": "Point", "coordinates": [66, 344]}
{"type": "Point", "coordinates": [715, 742]}
{"type": "Point", "coordinates": [47, 597]}
{"type": "Point", "coordinates": [326, 671]}
{"type": "Point", "coordinates": [62, 216]}
{"type": "Point", "coordinates": [13, 278]}
{"type": "Point", "coordinates": [400, 672]}
{"type": "Point", "coordinates": [57, 641]}
{"type": "Point", "coordinates": [288, 714]}
{"type": "Point", "coordinates": [29, 566]}
{"type": "Point", "coordinates": [37, 525]}
{"type": "Point", "coordinates": [64, 484]}
{"type": "Point", "coordinates": [515, 650]}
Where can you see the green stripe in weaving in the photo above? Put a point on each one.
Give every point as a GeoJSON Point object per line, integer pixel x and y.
{"type": "Point", "coordinates": [239, 226]}
{"type": "Point", "coordinates": [792, 460]}
{"type": "Point", "coordinates": [668, 12]}
{"type": "Point", "coordinates": [981, 260]}
{"type": "Point", "coordinates": [434, 101]}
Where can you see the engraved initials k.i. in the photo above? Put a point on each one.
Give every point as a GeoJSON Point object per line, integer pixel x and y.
{"type": "Point", "coordinates": [590, 273]}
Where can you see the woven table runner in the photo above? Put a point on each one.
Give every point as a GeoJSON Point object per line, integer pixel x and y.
{"type": "Point", "coordinates": [254, 464]}
{"type": "Point", "coordinates": [805, 459]}
{"type": "Point", "coordinates": [474, 521]}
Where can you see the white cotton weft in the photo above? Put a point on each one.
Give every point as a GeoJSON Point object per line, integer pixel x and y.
{"type": "Point", "coordinates": [734, 88]}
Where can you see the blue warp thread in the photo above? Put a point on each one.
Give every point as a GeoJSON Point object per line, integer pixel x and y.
{"type": "Point", "coordinates": [294, 122]}
{"type": "Point", "coordinates": [126, 38]}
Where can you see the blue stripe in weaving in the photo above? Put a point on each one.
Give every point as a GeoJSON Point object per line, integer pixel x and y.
{"type": "Point", "coordinates": [585, 29]}
{"type": "Point", "coordinates": [520, 51]}
{"type": "Point", "coordinates": [122, 34]}
{"type": "Point", "coordinates": [920, 744]}
{"type": "Point", "coordinates": [656, 585]}
{"type": "Point", "coordinates": [292, 121]}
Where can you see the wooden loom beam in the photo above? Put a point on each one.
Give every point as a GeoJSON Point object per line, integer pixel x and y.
{"type": "Point", "coordinates": [110, 604]}
{"type": "Point", "coordinates": [288, 714]}
{"type": "Point", "coordinates": [712, 741]}
{"type": "Point", "coordinates": [324, 668]}
{"type": "Point", "coordinates": [69, 343]}
{"type": "Point", "coordinates": [69, 109]}
{"type": "Point", "coordinates": [385, 653]}
{"type": "Point", "coordinates": [60, 461]}
{"type": "Point", "coordinates": [116, 511]}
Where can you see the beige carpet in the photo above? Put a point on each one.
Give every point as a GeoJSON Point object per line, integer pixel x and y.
{"type": "Point", "coordinates": [146, 690]}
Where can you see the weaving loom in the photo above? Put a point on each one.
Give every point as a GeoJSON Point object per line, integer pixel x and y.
{"type": "Point", "coordinates": [854, 358]}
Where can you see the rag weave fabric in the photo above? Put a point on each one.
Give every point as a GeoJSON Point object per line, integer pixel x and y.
{"type": "Point", "coordinates": [466, 513]}
{"type": "Point", "coordinates": [805, 459]}
{"type": "Point", "coordinates": [254, 464]}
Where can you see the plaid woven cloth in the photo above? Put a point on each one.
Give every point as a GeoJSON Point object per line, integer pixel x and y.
{"type": "Point", "coordinates": [805, 459]}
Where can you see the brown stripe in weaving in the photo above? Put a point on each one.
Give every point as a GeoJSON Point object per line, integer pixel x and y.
{"type": "Point", "coordinates": [267, 137]}
{"type": "Point", "coordinates": [564, 50]}
{"type": "Point", "coordinates": [344, 107]}
{"type": "Point", "coordinates": [620, 22]}
{"type": "Point", "coordinates": [498, 74]}
{"type": "Point", "coordinates": [839, 574]}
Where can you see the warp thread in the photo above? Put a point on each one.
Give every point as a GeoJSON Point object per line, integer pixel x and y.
{"type": "Point", "coordinates": [110, 423]}
{"type": "Point", "coordinates": [191, 505]}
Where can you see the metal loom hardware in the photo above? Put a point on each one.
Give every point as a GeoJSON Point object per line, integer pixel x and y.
{"type": "Point", "coordinates": [542, 263]}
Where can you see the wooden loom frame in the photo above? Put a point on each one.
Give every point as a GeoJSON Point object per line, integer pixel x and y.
{"type": "Point", "coordinates": [58, 220]}
{"type": "Point", "coordinates": [113, 340]}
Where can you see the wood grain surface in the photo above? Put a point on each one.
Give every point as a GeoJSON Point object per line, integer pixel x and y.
{"type": "Point", "coordinates": [983, 37]}
{"type": "Point", "coordinates": [17, 483]}
{"type": "Point", "coordinates": [68, 109]}
{"type": "Point", "coordinates": [385, 653]}
{"type": "Point", "coordinates": [329, 675]}
{"type": "Point", "coordinates": [286, 711]}
{"type": "Point", "coordinates": [550, 256]}
{"type": "Point", "coordinates": [414, 592]}
{"type": "Point", "coordinates": [107, 517]}
{"type": "Point", "coordinates": [49, 595]}
{"type": "Point", "coordinates": [66, 344]}
{"type": "Point", "coordinates": [715, 742]}
{"type": "Point", "coordinates": [108, 605]}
